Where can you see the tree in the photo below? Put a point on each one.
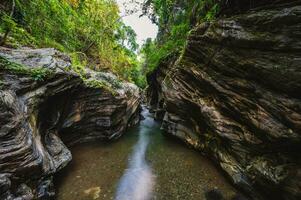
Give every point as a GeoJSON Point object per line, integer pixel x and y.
{"type": "Point", "coordinates": [8, 23]}
{"type": "Point", "coordinates": [91, 31]}
{"type": "Point", "coordinates": [175, 18]}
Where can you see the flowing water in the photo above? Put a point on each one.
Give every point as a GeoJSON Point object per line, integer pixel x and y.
{"type": "Point", "coordinates": [138, 181]}
{"type": "Point", "coordinates": [142, 165]}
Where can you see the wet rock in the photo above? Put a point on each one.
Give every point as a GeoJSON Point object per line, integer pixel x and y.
{"type": "Point", "coordinates": [239, 197]}
{"type": "Point", "coordinates": [234, 94]}
{"type": "Point", "coordinates": [5, 185]}
{"type": "Point", "coordinates": [24, 192]}
{"type": "Point", "coordinates": [45, 189]}
{"type": "Point", "coordinates": [43, 113]}
{"type": "Point", "coordinates": [214, 194]}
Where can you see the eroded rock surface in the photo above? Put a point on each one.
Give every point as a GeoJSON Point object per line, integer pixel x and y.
{"type": "Point", "coordinates": [40, 115]}
{"type": "Point", "coordinates": [235, 94]}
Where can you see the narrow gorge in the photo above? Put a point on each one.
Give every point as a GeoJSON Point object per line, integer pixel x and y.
{"type": "Point", "coordinates": [209, 110]}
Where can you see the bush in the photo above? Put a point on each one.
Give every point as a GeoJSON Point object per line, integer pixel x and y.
{"type": "Point", "coordinates": [77, 27]}
{"type": "Point", "coordinates": [175, 19]}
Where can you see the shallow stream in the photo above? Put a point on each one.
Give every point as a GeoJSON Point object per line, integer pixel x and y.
{"type": "Point", "coordinates": [142, 165]}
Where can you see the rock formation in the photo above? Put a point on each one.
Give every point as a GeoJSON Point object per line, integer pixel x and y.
{"type": "Point", "coordinates": [235, 94]}
{"type": "Point", "coordinates": [44, 106]}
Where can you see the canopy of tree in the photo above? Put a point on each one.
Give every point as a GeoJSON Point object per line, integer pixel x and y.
{"type": "Point", "coordinates": [91, 31]}
{"type": "Point", "coordinates": [175, 19]}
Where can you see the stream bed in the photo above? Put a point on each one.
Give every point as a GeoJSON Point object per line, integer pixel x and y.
{"type": "Point", "coordinates": [141, 165]}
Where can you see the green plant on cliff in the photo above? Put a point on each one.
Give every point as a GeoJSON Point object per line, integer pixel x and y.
{"type": "Point", "coordinates": [98, 84]}
{"type": "Point", "coordinates": [38, 73]}
{"type": "Point", "coordinates": [175, 18]}
{"type": "Point", "coordinates": [92, 28]}
{"type": "Point", "coordinates": [1, 84]}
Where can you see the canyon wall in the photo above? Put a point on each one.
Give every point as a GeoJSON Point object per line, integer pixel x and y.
{"type": "Point", "coordinates": [235, 95]}
{"type": "Point", "coordinates": [43, 110]}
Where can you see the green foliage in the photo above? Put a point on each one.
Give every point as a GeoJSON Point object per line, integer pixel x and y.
{"type": "Point", "coordinates": [37, 74]}
{"type": "Point", "coordinates": [154, 53]}
{"type": "Point", "coordinates": [175, 19]}
{"type": "Point", "coordinates": [138, 77]}
{"type": "Point", "coordinates": [98, 84]}
{"type": "Point", "coordinates": [1, 84]}
{"type": "Point", "coordinates": [92, 32]}
{"type": "Point", "coordinates": [79, 62]}
{"type": "Point", "coordinates": [111, 80]}
{"type": "Point", "coordinates": [211, 14]}
{"type": "Point", "coordinates": [89, 29]}
{"type": "Point", "coordinates": [7, 23]}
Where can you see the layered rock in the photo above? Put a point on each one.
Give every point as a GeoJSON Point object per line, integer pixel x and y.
{"type": "Point", "coordinates": [45, 106]}
{"type": "Point", "coordinates": [235, 94]}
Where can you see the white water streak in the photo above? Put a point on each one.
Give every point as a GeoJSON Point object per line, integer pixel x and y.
{"type": "Point", "coordinates": [138, 180]}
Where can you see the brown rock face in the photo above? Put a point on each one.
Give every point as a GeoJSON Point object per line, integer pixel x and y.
{"type": "Point", "coordinates": [40, 116]}
{"type": "Point", "coordinates": [235, 94]}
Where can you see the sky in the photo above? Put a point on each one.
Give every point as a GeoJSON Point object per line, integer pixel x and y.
{"type": "Point", "coordinates": [143, 27]}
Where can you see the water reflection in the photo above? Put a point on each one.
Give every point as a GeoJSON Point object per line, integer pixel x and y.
{"type": "Point", "coordinates": [181, 173]}
{"type": "Point", "coordinates": [138, 180]}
